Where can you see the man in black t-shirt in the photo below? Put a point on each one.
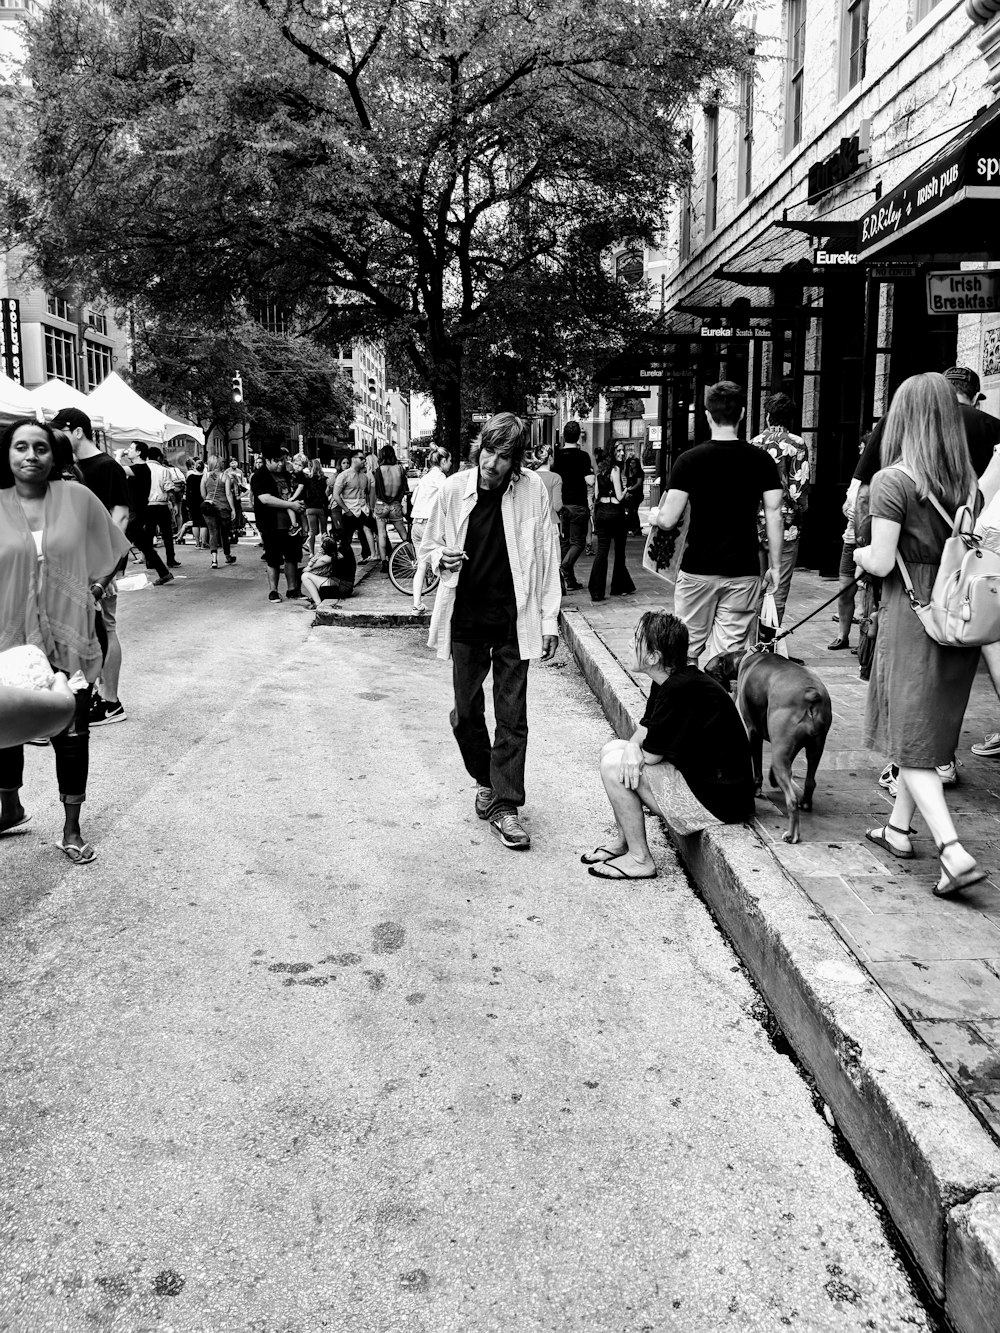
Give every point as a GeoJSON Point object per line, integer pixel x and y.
{"type": "Point", "coordinates": [574, 466]}
{"type": "Point", "coordinates": [688, 760]}
{"type": "Point", "coordinates": [107, 479]}
{"type": "Point", "coordinates": [725, 482]}
{"type": "Point", "coordinates": [275, 515]}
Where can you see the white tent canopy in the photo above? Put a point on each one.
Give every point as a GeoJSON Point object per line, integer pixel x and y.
{"type": "Point", "coordinates": [54, 395]}
{"type": "Point", "coordinates": [128, 417]}
{"type": "Point", "coordinates": [15, 400]}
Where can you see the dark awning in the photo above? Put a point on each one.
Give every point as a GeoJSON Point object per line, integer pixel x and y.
{"type": "Point", "coordinates": [964, 175]}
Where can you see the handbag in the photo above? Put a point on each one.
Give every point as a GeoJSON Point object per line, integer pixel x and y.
{"type": "Point", "coordinates": [664, 548]}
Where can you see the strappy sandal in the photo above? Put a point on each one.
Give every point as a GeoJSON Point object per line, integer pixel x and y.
{"type": "Point", "coordinates": [956, 883]}
{"type": "Point", "coordinates": [877, 836]}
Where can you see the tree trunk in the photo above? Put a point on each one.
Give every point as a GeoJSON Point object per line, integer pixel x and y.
{"type": "Point", "coordinates": [446, 392]}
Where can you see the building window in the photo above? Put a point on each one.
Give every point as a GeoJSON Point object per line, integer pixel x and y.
{"type": "Point", "coordinates": [684, 230]}
{"type": "Point", "coordinates": [711, 168]}
{"type": "Point", "coordinates": [745, 182]}
{"type": "Point", "coordinates": [55, 305]}
{"type": "Point", "coordinates": [274, 318]}
{"type": "Point", "coordinates": [98, 322]}
{"type": "Point", "coordinates": [855, 42]}
{"type": "Point", "coordinates": [60, 355]}
{"type": "Point", "coordinates": [796, 71]}
{"type": "Point", "coordinates": [922, 9]}
{"type": "Point", "coordinates": [99, 364]}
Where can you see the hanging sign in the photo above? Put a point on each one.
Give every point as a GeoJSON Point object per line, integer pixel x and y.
{"type": "Point", "coordinates": [969, 292]}
{"type": "Point", "coordinates": [11, 358]}
{"type": "Point", "coordinates": [851, 156]}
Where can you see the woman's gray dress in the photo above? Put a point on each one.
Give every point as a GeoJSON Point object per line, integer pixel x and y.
{"type": "Point", "coordinates": [919, 689]}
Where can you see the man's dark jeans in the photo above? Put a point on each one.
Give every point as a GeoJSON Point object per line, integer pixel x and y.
{"type": "Point", "coordinates": [500, 765]}
{"type": "Point", "coordinates": [160, 520]}
{"type": "Point", "coordinates": [574, 520]}
{"type": "Point", "coordinates": [138, 533]}
{"type": "Point", "coordinates": [360, 524]}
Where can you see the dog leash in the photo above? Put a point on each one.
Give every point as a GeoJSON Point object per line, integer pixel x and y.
{"type": "Point", "coordinates": [783, 633]}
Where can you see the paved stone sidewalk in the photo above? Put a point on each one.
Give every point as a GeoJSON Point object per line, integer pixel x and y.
{"type": "Point", "coordinates": [937, 961]}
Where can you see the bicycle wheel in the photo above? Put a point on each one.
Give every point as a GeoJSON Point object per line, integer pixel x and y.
{"type": "Point", "coordinates": [402, 567]}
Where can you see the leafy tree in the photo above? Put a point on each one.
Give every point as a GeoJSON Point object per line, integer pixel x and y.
{"type": "Point", "coordinates": [286, 379]}
{"type": "Point", "coordinates": [412, 169]}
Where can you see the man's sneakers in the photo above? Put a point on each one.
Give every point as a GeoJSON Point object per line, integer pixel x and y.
{"type": "Point", "coordinates": [103, 713]}
{"type": "Point", "coordinates": [948, 773]}
{"type": "Point", "coordinates": [484, 799]}
{"type": "Point", "coordinates": [508, 828]}
{"type": "Point", "coordinates": [165, 578]}
{"type": "Point", "coordinates": [274, 596]}
{"type": "Point", "coordinates": [293, 595]}
{"type": "Point", "coordinates": [988, 747]}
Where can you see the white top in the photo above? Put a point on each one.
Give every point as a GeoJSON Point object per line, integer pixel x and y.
{"type": "Point", "coordinates": [422, 495]}
{"type": "Point", "coordinates": [38, 542]}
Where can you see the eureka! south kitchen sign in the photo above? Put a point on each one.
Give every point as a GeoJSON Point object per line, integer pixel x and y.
{"type": "Point", "coordinates": [967, 167]}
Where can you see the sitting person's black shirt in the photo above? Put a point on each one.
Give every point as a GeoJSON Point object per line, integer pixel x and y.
{"type": "Point", "coordinates": [692, 723]}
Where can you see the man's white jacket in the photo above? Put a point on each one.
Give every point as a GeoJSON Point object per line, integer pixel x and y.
{"type": "Point", "coordinates": [532, 549]}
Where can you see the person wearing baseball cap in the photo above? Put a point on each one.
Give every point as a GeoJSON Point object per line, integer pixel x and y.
{"type": "Point", "coordinates": [981, 430]}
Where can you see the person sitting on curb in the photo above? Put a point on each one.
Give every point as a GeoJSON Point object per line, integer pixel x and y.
{"type": "Point", "coordinates": [330, 573]}
{"type": "Point", "coordinates": [688, 760]}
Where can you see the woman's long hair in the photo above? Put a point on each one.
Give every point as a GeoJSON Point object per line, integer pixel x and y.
{"type": "Point", "coordinates": [316, 469]}
{"type": "Point", "coordinates": [609, 462]}
{"type": "Point", "coordinates": [924, 431]}
{"type": "Point", "coordinates": [214, 463]}
{"type": "Point", "coordinates": [387, 456]}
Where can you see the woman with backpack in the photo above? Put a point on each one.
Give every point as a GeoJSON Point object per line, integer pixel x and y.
{"type": "Point", "coordinates": [314, 498]}
{"type": "Point", "coordinates": [919, 688]}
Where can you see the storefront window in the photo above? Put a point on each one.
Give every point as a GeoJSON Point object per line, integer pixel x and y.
{"type": "Point", "coordinates": [796, 69]}
{"type": "Point", "coordinates": [60, 351]}
{"type": "Point", "coordinates": [855, 42]}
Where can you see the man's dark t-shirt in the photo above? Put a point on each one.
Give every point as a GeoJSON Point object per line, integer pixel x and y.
{"type": "Point", "coordinates": [485, 604]}
{"type": "Point", "coordinates": [692, 723]}
{"type": "Point", "coordinates": [724, 480]}
{"type": "Point", "coordinates": [267, 517]}
{"type": "Point", "coordinates": [139, 484]}
{"type": "Point", "coordinates": [107, 479]}
{"type": "Point", "coordinates": [574, 466]}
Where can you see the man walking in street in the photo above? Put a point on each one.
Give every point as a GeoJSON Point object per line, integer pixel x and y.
{"type": "Point", "coordinates": [573, 465]}
{"type": "Point", "coordinates": [491, 537]}
{"type": "Point", "coordinates": [791, 457]}
{"type": "Point", "coordinates": [274, 513]}
{"type": "Point", "coordinates": [137, 530]}
{"type": "Point", "coordinates": [352, 497]}
{"type": "Point", "coordinates": [982, 431]}
{"type": "Point", "coordinates": [719, 584]}
{"type": "Point", "coordinates": [107, 479]}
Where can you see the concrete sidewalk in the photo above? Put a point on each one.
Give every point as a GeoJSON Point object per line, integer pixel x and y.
{"type": "Point", "coordinates": [889, 996]}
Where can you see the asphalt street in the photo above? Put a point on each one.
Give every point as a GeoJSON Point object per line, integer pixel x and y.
{"type": "Point", "coordinates": [308, 1049]}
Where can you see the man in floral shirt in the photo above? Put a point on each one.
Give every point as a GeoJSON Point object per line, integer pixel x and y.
{"type": "Point", "coordinates": [792, 458]}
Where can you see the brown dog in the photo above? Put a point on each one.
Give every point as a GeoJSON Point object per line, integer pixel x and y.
{"type": "Point", "coordinates": [787, 704]}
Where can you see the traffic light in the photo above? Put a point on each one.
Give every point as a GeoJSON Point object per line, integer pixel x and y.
{"type": "Point", "coordinates": [237, 388]}
{"type": "Point", "coordinates": [372, 386]}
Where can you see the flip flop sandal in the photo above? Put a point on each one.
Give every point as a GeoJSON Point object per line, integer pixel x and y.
{"type": "Point", "coordinates": [609, 871]}
{"type": "Point", "coordinates": [598, 856]}
{"type": "Point", "coordinates": [80, 856]}
{"type": "Point", "coordinates": [877, 836]}
{"type": "Point", "coordinates": [956, 883]}
{"type": "Point", "coordinates": [16, 827]}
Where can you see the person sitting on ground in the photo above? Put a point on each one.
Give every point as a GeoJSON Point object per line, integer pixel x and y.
{"type": "Point", "coordinates": [330, 573]}
{"type": "Point", "coordinates": [687, 761]}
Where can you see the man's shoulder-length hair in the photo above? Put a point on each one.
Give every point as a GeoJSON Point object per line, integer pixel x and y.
{"type": "Point", "coordinates": [506, 435]}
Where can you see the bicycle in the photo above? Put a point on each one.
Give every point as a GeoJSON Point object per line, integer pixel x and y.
{"type": "Point", "coordinates": [403, 568]}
